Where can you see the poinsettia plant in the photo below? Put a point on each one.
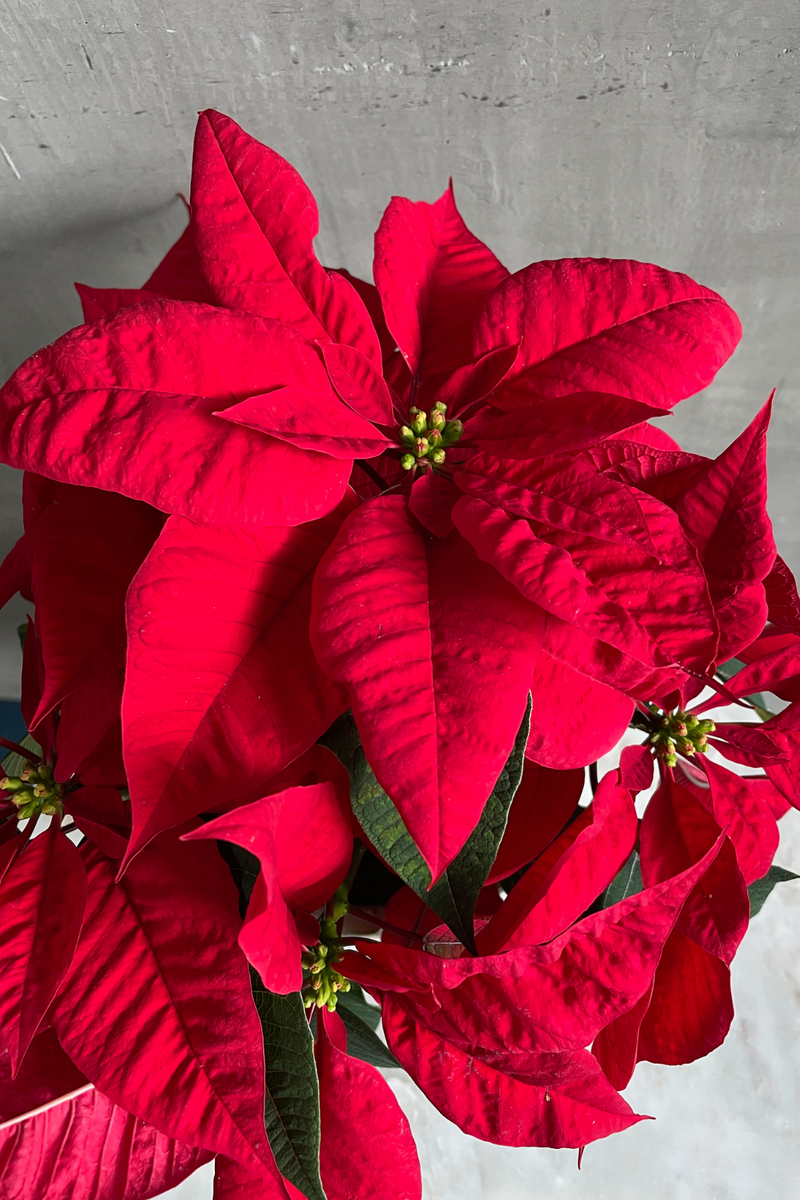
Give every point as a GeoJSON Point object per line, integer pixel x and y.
{"type": "Point", "coordinates": [340, 589]}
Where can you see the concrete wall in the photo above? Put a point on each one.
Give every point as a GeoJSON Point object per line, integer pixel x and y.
{"type": "Point", "coordinates": [633, 128]}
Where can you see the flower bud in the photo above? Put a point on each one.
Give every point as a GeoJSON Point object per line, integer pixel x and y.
{"type": "Point", "coordinates": [421, 447]}
{"type": "Point", "coordinates": [316, 983]}
{"type": "Point", "coordinates": [434, 437]}
{"type": "Point", "coordinates": [691, 721]}
{"type": "Point", "coordinates": [309, 1000]}
{"type": "Point", "coordinates": [11, 783]}
{"type": "Point", "coordinates": [437, 420]}
{"type": "Point", "coordinates": [437, 457]}
{"type": "Point", "coordinates": [706, 726]}
{"type": "Point", "coordinates": [406, 434]}
{"type": "Point", "coordinates": [407, 462]}
{"type": "Point", "coordinates": [681, 729]}
{"type": "Point", "coordinates": [439, 407]}
{"type": "Point", "coordinates": [418, 422]}
{"type": "Point", "coordinates": [702, 742]}
{"type": "Point", "coordinates": [453, 431]}
{"type": "Point", "coordinates": [331, 1005]}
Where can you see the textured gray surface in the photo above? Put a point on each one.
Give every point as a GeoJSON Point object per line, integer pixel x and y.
{"type": "Point", "coordinates": [631, 128]}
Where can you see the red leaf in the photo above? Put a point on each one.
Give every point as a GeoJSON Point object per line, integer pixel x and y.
{"type": "Point", "coordinates": [724, 512]}
{"type": "Point", "coordinates": [782, 598]}
{"type": "Point", "coordinates": [691, 1008]}
{"type": "Point", "coordinates": [232, 1181]}
{"type": "Point", "coordinates": [157, 1010]}
{"type": "Point", "coordinates": [676, 830]}
{"type": "Point", "coordinates": [554, 426]}
{"type": "Point", "coordinates": [418, 628]}
{"type": "Point", "coordinates": [367, 1147]}
{"type": "Point", "coordinates": [86, 546]}
{"type": "Point", "coordinates": [636, 768]}
{"type": "Point", "coordinates": [609, 325]}
{"type": "Point", "coordinates": [547, 576]}
{"type": "Point", "coordinates": [311, 421]}
{"type": "Point", "coordinates": [358, 382]}
{"type": "Point", "coordinates": [616, 1047]}
{"type": "Point", "coordinates": [178, 274]}
{"type": "Point", "coordinates": [743, 812]}
{"type": "Point", "coordinates": [255, 222]}
{"type": "Point", "coordinates": [302, 838]}
{"type": "Point", "coordinates": [530, 917]}
{"type": "Point", "coordinates": [499, 1107]}
{"type": "Point", "coordinates": [42, 900]}
{"type": "Point", "coordinates": [15, 571]}
{"type": "Point", "coordinates": [152, 377]}
{"type": "Point", "coordinates": [89, 1149]}
{"type": "Point", "coordinates": [544, 802]}
{"type": "Point", "coordinates": [433, 276]}
{"type": "Point", "coordinates": [574, 719]}
{"type": "Point", "coordinates": [45, 1076]}
{"type": "Point", "coordinates": [214, 708]}
{"type": "Point", "coordinates": [101, 302]}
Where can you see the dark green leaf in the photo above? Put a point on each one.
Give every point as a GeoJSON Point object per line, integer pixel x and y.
{"type": "Point", "coordinates": [356, 1001]}
{"type": "Point", "coordinates": [244, 867]}
{"type": "Point", "coordinates": [363, 1042]}
{"type": "Point", "coordinates": [759, 890]}
{"type": "Point", "coordinates": [456, 893]}
{"type": "Point", "coordinates": [626, 882]}
{"type": "Point", "coordinates": [291, 1114]}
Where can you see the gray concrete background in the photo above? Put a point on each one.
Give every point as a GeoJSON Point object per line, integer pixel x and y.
{"type": "Point", "coordinates": [633, 128]}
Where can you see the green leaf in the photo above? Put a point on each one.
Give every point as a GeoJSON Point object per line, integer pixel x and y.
{"type": "Point", "coordinates": [363, 1042]}
{"type": "Point", "coordinates": [291, 1114]}
{"type": "Point", "coordinates": [759, 890]}
{"type": "Point", "coordinates": [456, 893]}
{"type": "Point", "coordinates": [356, 1001]}
{"type": "Point", "coordinates": [13, 762]}
{"type": "Point", "coordinates": [626, 882]}
{"type": "Point", "coordinates": [244, 867]}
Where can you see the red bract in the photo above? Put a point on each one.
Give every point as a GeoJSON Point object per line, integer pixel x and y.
{"type": "Point", "coordinates": [498, 1042]}
{"type": "Point", "coordinates": [303, 840]}
{"type": "Point", "coordinates": [277, 388]}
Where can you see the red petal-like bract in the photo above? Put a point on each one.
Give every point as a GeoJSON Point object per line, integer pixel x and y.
{"type": "Point", "coordinates": [543, 803]}
{"type": "Point", "coordinates": [255, 222]}
{"type": "Point", "coordinates": [157, 1009]}
{"type": "Point", "coordinates": [506, 1106]}
{"type": "Point", "coordinates": [594, 325]}
{"type": "Point", "coordinates": [151, 377]}
{"type": "Point", "coordinates": [433, 276]}
{"type": "Point", "coordinates": [89, 1149]}
{"type": "Point", "coordinates": [367, 1147]}
{"type": "Point", "coordinates": [86, 546]}
{"type": "Point", "coordinates": [437, 652]}
{"type": "Point", "coordinates": [302, 838]}
{"type": "Point", "coordinates": [42, 901]}
{"type": "Point", "coordinates": [222, 687]}
{"type": "Point", "coordinates": [574, 719]}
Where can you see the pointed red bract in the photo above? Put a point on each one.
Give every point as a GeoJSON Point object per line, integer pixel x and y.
{"type": "Point", "coordinates": [574, 719]}
{"type": "Point", "coordinates": [367, 1147]}
{"type": "Point", "coordinates": [607, 325]}
{"type": "Point", "coordinates": [432, 275]}
{"type": "Point", "coordinates": [214, 708]}
{"type": "Point", "coordinates": [255, 222]}
{"type": "Point", "coordinates": [436, 651]}
{"type": "Point", "coordinates": [152, 377]}
{"type": "Point", "coordinates": [554, 426]}
{"type": "Point", "coordinates": [303, 840]}
{"type": "Point", "coordinates": [42, 900]}
{"type": "Point", "coordinates": [543, 803]}
{"type": "Point", "coordinates": [89, 1149]}
{"type": "Point", "coordinates": [156, 1009]}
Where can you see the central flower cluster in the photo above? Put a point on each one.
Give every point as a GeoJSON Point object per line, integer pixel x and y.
{"type": "Point", "coordinates": [34, 791]}
{"type": "Point", "coordinates": [678, 732]}
{"type": "Point", "coordinates": [324, 981]}
{"type": "Point", "coordinates": [427, 436]}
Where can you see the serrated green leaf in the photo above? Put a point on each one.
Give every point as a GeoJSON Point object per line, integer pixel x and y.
{"type": "Point", "coordinates": [626, 882]}
{"type": "Point", "coordinates": [761, 888]}
{"type": "Point", "coordinates": [363, 1042]}
{"type": "Point", "coordinates": [456, 893]}
{"type": "Point", "coordinates": [13, 762]}
{"type": "Point", "coordinates": [291, 1112]}
{"type": "Point", "coordinates": [356, 1001]}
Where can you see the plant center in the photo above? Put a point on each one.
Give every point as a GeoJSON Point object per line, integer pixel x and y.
{"type": "Point", "coordinates": [427, 436]}
{"type": "Point", "coordinates": [323, 982]}
{"type": "Point", "coordinates": [34, 791]}
{"type": "Point", "coordinates": [678, 732]}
